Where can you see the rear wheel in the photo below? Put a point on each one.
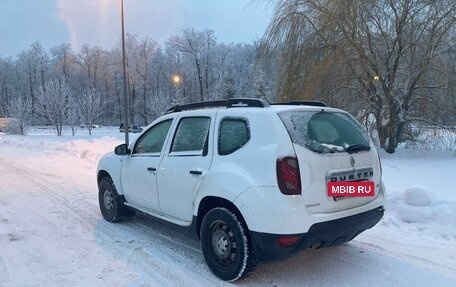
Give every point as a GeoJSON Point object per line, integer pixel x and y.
{"type": "Point", "coordinates": [111, 204]}
{"type": "Point", "coordinates": [225, 245]}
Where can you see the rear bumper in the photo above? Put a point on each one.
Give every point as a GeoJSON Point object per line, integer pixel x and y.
{"type": "Point", "coordinates": [323, 234]}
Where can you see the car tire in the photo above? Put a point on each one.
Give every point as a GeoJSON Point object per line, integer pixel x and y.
{"type": "Point", "coordinates": [226, 246]}
{"type": "Point", "coordinates": [111, 204]}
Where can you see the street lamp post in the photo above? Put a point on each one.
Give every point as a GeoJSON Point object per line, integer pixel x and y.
{"type": "Point", "coordinates": [124, 71]}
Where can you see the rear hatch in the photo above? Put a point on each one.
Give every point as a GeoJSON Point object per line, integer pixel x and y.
{"type": "Point", "coordinates": [331, 146]}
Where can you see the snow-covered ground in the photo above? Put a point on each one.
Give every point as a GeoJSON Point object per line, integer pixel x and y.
{"type": "Point", "coordinates": [52, 234]}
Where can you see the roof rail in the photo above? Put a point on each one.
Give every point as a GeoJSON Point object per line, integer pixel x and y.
{"type": "Point", "coordinates": [229, 103]}
{"type": "Point", "coordinates": [246, 102]}
{"type": "Point", "coordinates": [304, 103]}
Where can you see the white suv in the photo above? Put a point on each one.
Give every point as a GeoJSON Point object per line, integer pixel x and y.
{"type": "Point", "coordinates": [248, 178]}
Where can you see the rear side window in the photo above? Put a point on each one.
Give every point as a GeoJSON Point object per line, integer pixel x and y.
{"type": "Point", "coordinates": [326, 132]}
{"type": "Point", "coordinates": [233, 134]}
{"type": "Point", "coordinates": [191, 134]}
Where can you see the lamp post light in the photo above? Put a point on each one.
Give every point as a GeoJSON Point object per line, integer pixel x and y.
{"type": "Point", "coordinates": [177, 81]}
{"type": "Point", "coordinates": [124, 71]}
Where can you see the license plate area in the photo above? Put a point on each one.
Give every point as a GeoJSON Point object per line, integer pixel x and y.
{"type": "Point", "coordinates": [340, 189]}
{"type": "Point", "coordinates": [350, 183]}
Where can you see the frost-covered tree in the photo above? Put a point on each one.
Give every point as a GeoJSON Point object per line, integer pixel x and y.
{"type": "Point", "coordinates": [53, 102]}
{"type": "Point", "coordinates": [157, 106]}
{"type": "Point", "coordinates": [199, 45]}
{"type": "Point", "coordinates": [18, 109]}
{"type": "Point", "coordinates": [63, 60]}
{"type": "Point", "coordinates": [89, 62]}
{"type": "Point", "coordinates": [6, 84]}
{"type": "Point", "coordinates": [144, 51]}
{"type": "Point", "coordinates": [90, 107]}
{"type": "Point", "coordinates": [207, 70]}
{"type": "Point", "coordinates": [73, 116]}
{"type": "Point", "coordinates": [32, 68]}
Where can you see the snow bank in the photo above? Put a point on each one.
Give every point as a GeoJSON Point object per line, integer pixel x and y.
{"type": "Point", "coordinates": [419, 225]}
{"type": "Point", "coordinates": [420, 192]}
{"type": "Point", "coordinates": [82, 146]}
{"type": "Point", "coordinates": [418, 209]}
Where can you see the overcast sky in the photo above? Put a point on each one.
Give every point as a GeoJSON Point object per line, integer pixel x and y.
{"type": "Point", "coordinates": [97, 22]}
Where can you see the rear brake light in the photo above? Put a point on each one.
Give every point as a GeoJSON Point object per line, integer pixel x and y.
{"type": "Point", "coordinates": [288, 176]}
{"type": "Point", "coordinates": [287, 241]}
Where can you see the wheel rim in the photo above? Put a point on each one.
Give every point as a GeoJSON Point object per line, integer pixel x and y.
{"type": "Point", "coordinates": [223, 243]}
{"type": "Point", "coordinates": [108, 200]}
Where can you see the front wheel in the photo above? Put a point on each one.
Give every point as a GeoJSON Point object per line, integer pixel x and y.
{"type": "Point", "coordinates": [225, 245]}
{"type": "Point", "coordinates": [111, 204]}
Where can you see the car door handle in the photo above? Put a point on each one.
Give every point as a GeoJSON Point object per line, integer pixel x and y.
{"type": "Point", "coordinates": [151, 169]}
{"type": "Point", "coordinates": [196, 172]}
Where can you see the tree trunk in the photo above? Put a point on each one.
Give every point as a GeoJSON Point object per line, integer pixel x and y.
{"type": "Point", "coordinates": [132, 104]}
{"type": "Point", "coordinates": [200, 78]}
{"type": "Point", "coordinates": [145, 102]}
{"type": "Point", "coordinates": [388, 138]}
{"type": "Point", "coordinates": [389, 128]}
{"type": "Point", "coordinates": [32, 95]}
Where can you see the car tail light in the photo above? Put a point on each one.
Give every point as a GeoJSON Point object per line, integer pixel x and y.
{"type": "Point", "coordinates": [288, 176]}
{"type": "Point", "coordinates": [287, 241]}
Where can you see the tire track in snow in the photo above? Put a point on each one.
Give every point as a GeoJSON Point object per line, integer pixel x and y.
{"type": "Point", "coordinates": [150, 239]}
{"type": "Point", "coordinates": [87, 219]}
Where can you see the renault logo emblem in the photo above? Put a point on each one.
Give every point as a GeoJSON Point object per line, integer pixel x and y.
{"type": "Point", "coordinates": [352, 161]}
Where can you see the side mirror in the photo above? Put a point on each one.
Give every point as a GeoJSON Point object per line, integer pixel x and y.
{"type": "Point", "coordinates": [122, 150]}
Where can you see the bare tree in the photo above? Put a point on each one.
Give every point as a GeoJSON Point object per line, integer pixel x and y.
{"type": "Point", "coordinates": [53, 102]}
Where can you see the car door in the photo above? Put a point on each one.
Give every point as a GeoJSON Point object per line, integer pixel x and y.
{"type": "Point", "coordinates": [139, 170]}
{"type": "Point", "coordinates": [185, 165]}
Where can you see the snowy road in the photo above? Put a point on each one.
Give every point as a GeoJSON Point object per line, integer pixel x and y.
{"type": "Point", "coordinates": [52, 234]}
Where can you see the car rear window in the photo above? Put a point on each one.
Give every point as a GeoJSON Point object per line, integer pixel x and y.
{"type": "Point", "coordinates": [234, 133]}
{"type": "Point", "coordinates": [325, 132]}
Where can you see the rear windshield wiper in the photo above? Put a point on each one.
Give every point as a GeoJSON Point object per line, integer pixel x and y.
{"type": "Point", "coordinates": [356, 147]}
